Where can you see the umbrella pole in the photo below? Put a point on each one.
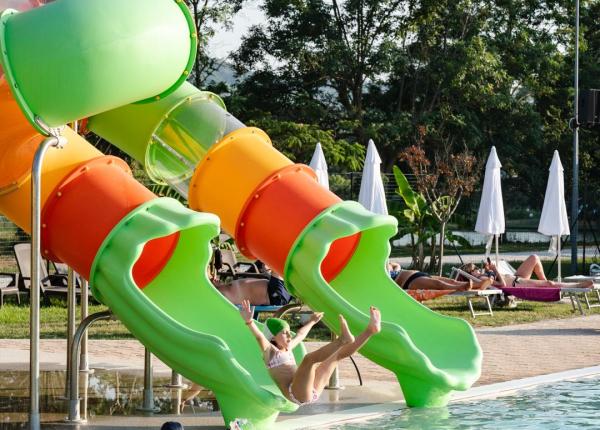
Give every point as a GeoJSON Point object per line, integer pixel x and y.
{"type": "Point", "coordinates": [497, 254]}
{"type": "Point", "coordinates": [559, 258]}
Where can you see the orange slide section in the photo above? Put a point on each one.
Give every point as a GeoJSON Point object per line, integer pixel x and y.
{"type": "Point", "coordinates": [84, 195]}
{"type": "Point", "coordinates": [246, 199]}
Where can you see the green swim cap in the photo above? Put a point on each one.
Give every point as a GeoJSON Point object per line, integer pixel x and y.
{"type": "Point", "coordinates": [274, 326]}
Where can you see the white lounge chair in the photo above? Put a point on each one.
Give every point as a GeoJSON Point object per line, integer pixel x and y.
{"type": "Point", "coordinates": [470, 295]}
{"type": "Point", "coordinates": [573, 293]}
{"type": "Point", "coordinates": [595, 290]}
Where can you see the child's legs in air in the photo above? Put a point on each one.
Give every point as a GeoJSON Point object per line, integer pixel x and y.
{"type": "Point", "coordinates": [304, 380]}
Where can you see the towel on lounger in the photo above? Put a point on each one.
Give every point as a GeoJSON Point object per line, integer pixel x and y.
{"type": "Point", "coordinates": [537, 294]}
{"type": "Point", "coordinates": [422, 295]}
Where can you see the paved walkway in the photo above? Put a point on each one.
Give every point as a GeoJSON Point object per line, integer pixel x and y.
{"type": "Point", "coordinates": [510, 352]}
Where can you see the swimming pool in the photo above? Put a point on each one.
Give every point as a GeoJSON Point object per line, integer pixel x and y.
{"type": "Point", "coordinates": [566, 405]}
{"type": "Point", "coordinates": [110, 393]}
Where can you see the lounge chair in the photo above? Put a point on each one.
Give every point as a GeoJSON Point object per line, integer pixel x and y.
{"type": "Point", "coordinates": [595, 290]}
{"type": "Point", "coordinates": [230, 267]}
{"type": "Point", "coordinates": [470, 295]}
{"type": "Point", "coordinates": [9, 287]}
{"type": "Point", "coordinates": [50, 285]}
{"type": "Point", "coordinates": [573, 293]}
{"type": "Point", "coordinates": [538, 294]}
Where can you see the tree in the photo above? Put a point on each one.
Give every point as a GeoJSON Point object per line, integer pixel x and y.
{"type": "Point", "coordinates": [416, 220]}
{"type": "Point", "coordinates": [297, 142]}
{"type": "Point", "coordinates": [324, 54]}
{"type": "Point", "coordinates": [208, 17]}
{"type": "Point", "coordinates": [443, 184]}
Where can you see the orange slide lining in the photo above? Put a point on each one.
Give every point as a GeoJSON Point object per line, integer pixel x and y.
{"type": "Point", "coordinates": [85, 207]}
{"type": "Point", "coordinates": [271, 213]}
{"type": "Point", "coordinates": [155, 256]}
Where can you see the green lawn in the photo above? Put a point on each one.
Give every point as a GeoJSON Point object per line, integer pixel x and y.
{"type": "Point", "coordinates": [14, 320]}
{"type": "Point", "coordinates": [525, 312]}
{"type": "Point", "coordinates": [14, 323]}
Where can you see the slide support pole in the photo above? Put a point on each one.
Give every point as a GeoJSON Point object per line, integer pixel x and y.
{"type": "Point", "coordinates": [34, 307]}
{"type": "Point", "coordinates": [74, 414]}
{"type": "Point", "coordinates": [71, 304]}
{"type": "Point", "coordinates": [148, 400]}
{"type": "Point", "coordinates": [83, 360]}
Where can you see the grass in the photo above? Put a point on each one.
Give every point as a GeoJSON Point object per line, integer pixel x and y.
{"type": "Point", "coordinates": [525, 312]}
{"type": "Point", "coordinates": [14, 323]}
{"type": "Point", "coordinates": [14, 320]}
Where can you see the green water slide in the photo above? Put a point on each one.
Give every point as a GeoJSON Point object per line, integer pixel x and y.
{"type": "Point", "coordinates": [181, 317]}
{"type": "Point", "coordinates": [431, 354]}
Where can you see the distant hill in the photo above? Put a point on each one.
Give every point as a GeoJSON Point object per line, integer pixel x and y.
{"type": "Point", "coordinates": [224, 74]}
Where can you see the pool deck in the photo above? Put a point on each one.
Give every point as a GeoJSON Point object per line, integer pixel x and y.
{"type": "Point", "coordinates": [510, 352]}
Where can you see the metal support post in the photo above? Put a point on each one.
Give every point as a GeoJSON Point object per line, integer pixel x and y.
{"type": "Point", "coordinates": [71, 305]}
{"type": "Point", "coordinates": [334, 380]}
{"type": "Point", "coordinates": [177, 386]}
{"type": "Point", "coordinates": [83, 359]}
{"type": "Point", "coordinates": [148, 400]}
{"type": "Point", "coordinates": [74, 413]}
{"type": "Point", "coordinates": [176, 399]}
{"type": "Point", "coordinates": [83, 404]}
{"type": "Point", "coordinates": [575, 127]}
{"type": "Point", "coordinates": [34, 305]}
{"type": "Point", "coordinates": [176, 381]}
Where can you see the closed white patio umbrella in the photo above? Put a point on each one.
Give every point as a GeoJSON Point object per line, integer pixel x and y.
{"type": "Point", "coordinates": [554, 221]}
{"type": "Point", "coordinates": [372, 193]}
{"type": "Point", "coordinates": [490, 218]}
{"type": "Point", "coordinates": [319, 165]}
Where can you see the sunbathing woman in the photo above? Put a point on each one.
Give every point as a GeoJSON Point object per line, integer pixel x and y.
{"type": "Point", "coordinates": [304, 384]}
{"type": "Point", "coordinates": [415, 280]}
{"type": "Point", "coordinates": [522, 277]}
{"type": "Point", "coordinates": [258, 291]}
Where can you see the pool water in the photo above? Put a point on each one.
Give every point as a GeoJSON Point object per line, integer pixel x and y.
{"type": "Point", "coordinates": [566, 405]}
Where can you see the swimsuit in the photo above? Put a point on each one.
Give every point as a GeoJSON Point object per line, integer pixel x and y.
{"type": "Point", "coordinates": [278, 295]}
{"type": "Point", "coordinates": [282, 367]}
{"type": "Point", "coordinates": [314, 398]}
{"type": "Point", "coordinates": [414, 276]}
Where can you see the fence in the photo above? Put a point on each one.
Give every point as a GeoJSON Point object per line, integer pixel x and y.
{"type": "Point", "coordinates": [522, 211]}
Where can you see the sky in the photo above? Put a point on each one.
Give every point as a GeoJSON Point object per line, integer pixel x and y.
{"type": "Point", "coordinates": [226, 41]}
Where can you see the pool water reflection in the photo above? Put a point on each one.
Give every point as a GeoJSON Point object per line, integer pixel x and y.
{"type": "Point", "coordinates": [567, 405]}
{"type": "Point", "coordinates": [108, 393]}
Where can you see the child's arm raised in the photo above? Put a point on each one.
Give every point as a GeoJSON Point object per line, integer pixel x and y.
{"type": "Point", "coordinates": [246, 313]}
{"type": "Point", "coordinates": [303, 331]}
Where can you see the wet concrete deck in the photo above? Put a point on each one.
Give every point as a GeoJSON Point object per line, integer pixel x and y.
{"type": "Point", "coordinates": [510, 352]}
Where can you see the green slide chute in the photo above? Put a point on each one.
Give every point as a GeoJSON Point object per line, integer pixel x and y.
{"type": "Point", "coordinates": [180, 317]}
{"type": "Point", "coordinates": [431, 354]}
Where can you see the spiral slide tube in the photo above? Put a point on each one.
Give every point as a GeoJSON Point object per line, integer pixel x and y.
{"type": "Point", "coordinates": [332, 253]}
{"type": "Point", "coordinates": [145, 257]}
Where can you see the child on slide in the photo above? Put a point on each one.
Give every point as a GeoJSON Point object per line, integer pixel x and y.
{"type": "Point", "coordinates": [304, 384]}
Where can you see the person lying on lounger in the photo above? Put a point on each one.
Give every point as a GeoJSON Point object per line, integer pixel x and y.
{"type": "Point", "coordinates": [522, 277]}
{"type": "Point", "coordinates": [415, 280]}
{"type": "Point", "coordinates": [269, 292]}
